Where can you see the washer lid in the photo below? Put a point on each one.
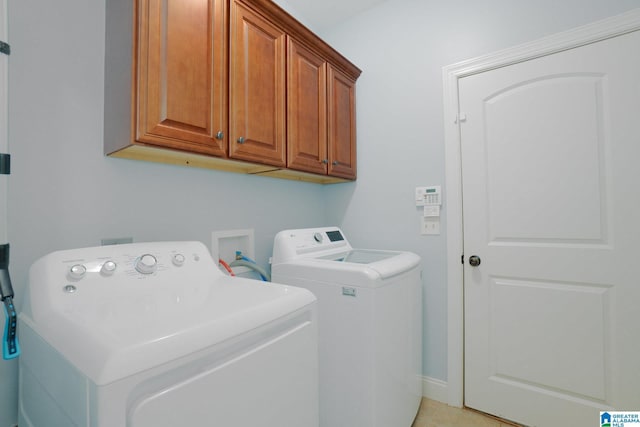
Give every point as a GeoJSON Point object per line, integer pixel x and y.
{"type": "Point", "coordinates": [124, 321]}
{"type": "Point", "coordinates": [361, 256]}
{"type": "Point", "coordinates": [358, 267]}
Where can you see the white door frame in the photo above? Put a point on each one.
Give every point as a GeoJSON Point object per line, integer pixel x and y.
{"type": "Point", "coordinates": [607, 28]}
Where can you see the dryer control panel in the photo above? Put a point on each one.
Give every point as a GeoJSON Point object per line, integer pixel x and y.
{"type": "Point", "coordinates": [126, 262]}
{"type": "Point", "coordinates": [113, 276]}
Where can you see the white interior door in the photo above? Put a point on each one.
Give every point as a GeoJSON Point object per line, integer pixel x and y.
{"type": "Point", "coordinates": [551, 167]}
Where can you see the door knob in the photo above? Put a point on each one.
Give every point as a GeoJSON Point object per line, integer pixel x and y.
{"type": "Point", "coordinates": [474, 260]}
{"type": "Point", "coordinates": [241, 140]}
{"type": "Point", "coordinates": [219, 135]}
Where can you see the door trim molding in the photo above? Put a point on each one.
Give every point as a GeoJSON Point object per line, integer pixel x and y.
{"type": "Point", "coordinates": [587, 34]}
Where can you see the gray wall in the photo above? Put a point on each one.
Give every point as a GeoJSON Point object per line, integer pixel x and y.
{"type": "Point", "coordinates": [64, 193]}
{"type": "Point", "coordinates": [401, 46]}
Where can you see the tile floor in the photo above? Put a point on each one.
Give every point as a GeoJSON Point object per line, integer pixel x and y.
{"type": "Point", "coordinates": [436, 414]}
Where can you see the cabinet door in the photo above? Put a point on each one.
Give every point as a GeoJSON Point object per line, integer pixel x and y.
{"type": "Point", "coordinates": [306, 109]}
{"type": "Point", "coordinates": [342, 124]}
{"type": "Point", "coordinates": [257, 89]}
{"type": "Point", "coordinates": [181, 99]}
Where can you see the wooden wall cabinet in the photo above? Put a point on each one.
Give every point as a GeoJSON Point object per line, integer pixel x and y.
{"type": "Point", "coordinates": [236, 85]}
{"type": "Point", "coordinates": [181, 73]}
{"type": "Point", "coordinates": [341, 124]}
{"type": "Point", "coordinates": [257, 88]}
{"type": "Point", "coordinates": [307, 109]}
{"type": "Point", "coordinates": [321, 115]}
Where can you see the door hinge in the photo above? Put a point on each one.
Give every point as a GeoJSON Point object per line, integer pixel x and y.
{"type": "Point", "coordinates": [460, 117]}
{"type": "Point", "coordinates": [5, 164]}
{"type": "Point", "coordinates": [5, 48]}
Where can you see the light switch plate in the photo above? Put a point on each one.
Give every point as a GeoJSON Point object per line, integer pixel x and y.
{"type": "Point", "coordinates": [430, 225]}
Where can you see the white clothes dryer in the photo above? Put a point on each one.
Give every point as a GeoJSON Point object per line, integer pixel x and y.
{"type": "Point", "coordinates": [155, 335]}
{"type": "Point", "coordinates": [369, 323]}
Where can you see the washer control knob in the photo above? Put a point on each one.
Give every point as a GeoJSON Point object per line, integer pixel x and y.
{"type": "Point", "coordinates": [178, 260]}
{"type": "Point", "coordinates": [146, 264]}
{"type": "Point", "coordinates": [317, 237]}
{"type": "Point", "coordinates": [108, 268]}
{"type": "Point", "coordinates": [77, 271]}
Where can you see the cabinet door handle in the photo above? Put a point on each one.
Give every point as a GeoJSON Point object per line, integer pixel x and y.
{"type": "Point", "coordinates": [241, 140]}
{"type": "Point", "coordinates": [220, 135]}
{"type": "Point", "coordinates": [325, 161]}
{"type": "Point", "coordinates": [335, 163]}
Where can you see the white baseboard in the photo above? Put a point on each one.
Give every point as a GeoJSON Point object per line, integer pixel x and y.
{"type": "Point", "coordinates": [435, 389]}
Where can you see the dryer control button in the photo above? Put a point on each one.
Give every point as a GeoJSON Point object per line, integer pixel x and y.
{"type": "Point", "coordinates": [317, 237]}
{"type": "Point", "coordinates": [77, 271]}
{"type": "Point", "coordinates": [178, 260]}
{"type": "Point", "coordinates": [108, 268]}
{"type": "Point", "coordinates": [146, 264]}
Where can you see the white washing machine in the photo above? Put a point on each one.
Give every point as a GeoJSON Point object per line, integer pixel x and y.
{"type": "Point", "coordinates": [369, 323]}
{"type": "Point", "coordinates": [154, 335]}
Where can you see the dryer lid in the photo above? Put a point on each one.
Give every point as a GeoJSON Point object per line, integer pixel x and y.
{"type": "Point", "coordinates": [114, 324]}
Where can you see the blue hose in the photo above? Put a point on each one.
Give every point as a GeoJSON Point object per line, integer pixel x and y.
{"type": "Point", "coordinates": [244, 261]}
